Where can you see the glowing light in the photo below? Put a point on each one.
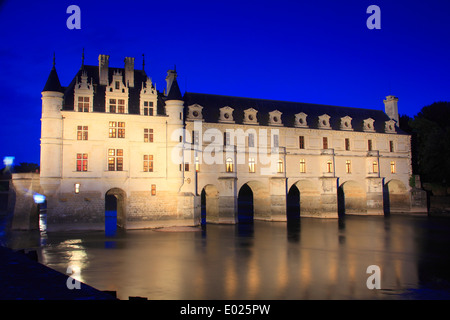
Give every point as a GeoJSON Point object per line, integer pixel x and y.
{"type": "Point", "coordinates": [39, 198]}
{"type": "Point", "coordinates": [8, 161]}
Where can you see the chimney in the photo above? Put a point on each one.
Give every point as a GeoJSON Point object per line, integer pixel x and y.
{"type": "Point", "coordinates": [129, 72]}
{"type": "Point", "coordinates": [391, 108]}
{"type": "Point", "coordinates": [103, 65]}
{"type": "Point", "coordinates": [171, 76]}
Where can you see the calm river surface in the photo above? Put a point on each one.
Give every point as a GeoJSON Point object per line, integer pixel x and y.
{"type": "Point", "coordinates": [315, 259]}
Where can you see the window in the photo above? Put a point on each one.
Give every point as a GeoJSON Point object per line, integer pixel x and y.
{"type": "Point", "coordinates": [229, 165]}
{"type": "Point", "coordinates": [186, 167]}
{"type": "Point", "coordinates": [117, 85]}
{"type": "Point", "coordinates": [121, 106]}
{"type": "Point", "coordinates": [275, 141]}
{"type": "Point", "coordinates": [83, 104]}
{"type": "Point", "coordinates": [347, 144]}
{"type": "Point", "coordinates": [280, 166]}
{"type": "Point", "coordinates": [392, 166]}
{"type": "Point", "coordinates": [148, 163]}
{"type": "Point", "coordinates": [301, 142]}
{"type": "Point", "coordinates": [325, 142]}
{"type": "Point", "coordinates": [369, 145]}
{"type": "Point", "coordinates": [115, 159]}
{"type": "Point", "coordinates": [251, 165]}
{"type": "Point", "coordinates": [153, 189]}
{"type": "Point", "coordinates": [375, 167]}
{"type": "Point", "coordinates": [329, 166]}
{"type": "Point", "coordinates": [348, 166]}
{"type": "Point", "coordinates": [148, 135]}
{"type": "Point", "coordinates": [77, 188]}
{"type": "Point", "coordinates": [148, 108]}
{"type": "Point", "coordinates": [302, 166]}
{"type": "Point", "coordinates": [82, 132]}
{"type": "Point", "coordinates": [82, 162]}
{"type": "Point", "coordinates": [112, 105]}
{"type": "Point", "coordinates": [391, 146]}
{"type": "Point", "coordinates": [195, 137]}
{"type": "Point", "coordinates": [116, 129]}
{"type": "Point", "coordinates": [226, 138]}
{"type": "Point", "coordinates": [251, 140]}
{"type": "Point", "coordinates": [197, 164]}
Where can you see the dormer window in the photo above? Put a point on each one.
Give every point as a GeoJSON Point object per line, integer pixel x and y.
{"type": "Point", "coordinates": [226, 114]}
{"type": "Point", "coordinates": [148, 108]}
{"type": "Point", "coordinates": [324, 121]}
{"type": "Point", "coordinates": [117, 85]}
{"type": "Point", "coordinates": [390, 126]}
{"type": "Point", "coordinates": [346, 123]}
{"type": "Point", "coordinates": [275, 118]}
{"type": "Point", "coordinates": [368, 125]}
{"type": "Point", "coordinates": [250, 116]}
{"type": "Point", "coordinates": [194, 112]}
{"type": "Point", "coordinates": [300, 120]}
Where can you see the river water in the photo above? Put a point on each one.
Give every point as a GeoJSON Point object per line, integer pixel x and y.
{"type": "Point", "coordinates": [312, 259]}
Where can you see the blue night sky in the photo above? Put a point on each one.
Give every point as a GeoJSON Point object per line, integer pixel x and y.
{"type": "Point", "coordinates": [305, 51]}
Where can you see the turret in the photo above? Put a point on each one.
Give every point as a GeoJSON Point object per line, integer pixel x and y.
{"type": "Point", "coordinates": [51, 126]}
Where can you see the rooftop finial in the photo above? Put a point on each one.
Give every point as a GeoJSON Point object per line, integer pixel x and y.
{"type": "Point", "coordinates": [82, 59]}
{"type": "Point", "coordinates": [53, 59]}
{"type": "Point", "coordinates": [143, 62]}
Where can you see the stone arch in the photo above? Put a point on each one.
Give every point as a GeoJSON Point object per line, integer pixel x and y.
{"type": "Point", "coordinates": [115, 210]}
{"type": "Point", "coordinates": [260, 197]}
{"type": "Point", "coordinates": [396, 197]}
{"type": "Point", "coordinates": [352, 198]}
{"type": "Point", "coordinates": [309, 204]}
{"type": "Point", "coordinates": [210, 204]}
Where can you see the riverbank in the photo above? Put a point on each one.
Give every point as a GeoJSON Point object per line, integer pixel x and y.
{"type": "Point", "coordinates": [23, 278]}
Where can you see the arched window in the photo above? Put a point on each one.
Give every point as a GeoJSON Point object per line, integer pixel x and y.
{"type": "Point", "coordinates": [229, 165]}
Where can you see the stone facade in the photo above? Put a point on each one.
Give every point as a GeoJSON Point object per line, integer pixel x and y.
{"type": "Point", "coordinates": [166, 158]}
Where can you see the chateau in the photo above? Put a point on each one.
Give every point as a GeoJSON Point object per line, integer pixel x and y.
{"type": "Point", "coordinates": [111, 142]}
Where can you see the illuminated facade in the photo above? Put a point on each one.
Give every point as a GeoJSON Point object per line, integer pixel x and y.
{"type": "Point", "coordinates": [111, 141]}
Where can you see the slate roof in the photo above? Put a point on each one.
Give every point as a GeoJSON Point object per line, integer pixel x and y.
{"type": "Point", "coordinates": [174, 92]}
{"type": "Point", "coordinates": [99, 90]}
{"type": "Point", "coordinates": [53, 83]}
{"type": "Point", "coordinates": [212, 103]}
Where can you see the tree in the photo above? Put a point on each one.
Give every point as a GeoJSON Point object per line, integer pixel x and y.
{"type": "Point", "coordinates": [24, 167]}
{"type": "Point", "coordinates": [432, 128]}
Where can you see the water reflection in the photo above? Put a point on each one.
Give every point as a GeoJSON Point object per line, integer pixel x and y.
{"type": "Point", "coordinates": [303, 259]}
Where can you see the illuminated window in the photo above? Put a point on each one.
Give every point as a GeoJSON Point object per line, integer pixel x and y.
{"type": "Point", "coordinates": [301, 142]}
{"type": "Point", "coordinates": [115, 159]}
{"type": "Point", "coordinates": [82, 162]}
{"type": "Point", "coordinates": [302, 166]}
{"type": "Point", "coordinates": [280, 166]}
{"type": "Point", "coordinates": [77, 188]}
{"type": "Point", "coordinates": [197, 164]}
{"type": "Point", "coordinates": [148, 163]}
{"type": "Point", "coordinates": [392, 166]}
{"type": "Point", "coordinates": [83, 104]}
{"type": "Point", "coordinates": [148, 108]}
{"type": "Point", "coordinates": [329, 166]}
{"type": "Point", "coordinates": [375, 167]}
{"type": "Point", "coordinates": [347, 144]}
{"type": "Point", "coordinates": [391, 146]}
{"type": "Point", "coordinates": [148, 135]}
{"type": "Point", "coordinates": [153, 189]}
{"type": "Point", "coordinates": [229, 165]}
{"type": "Point", "coordinates": [116, 129]}
{"type": "Point", "coordinates": [325, 142]}
{"type": "Point", "coordinates": [251, 165]}
{"type": "Point", "coordinates": [348, 166]}
{"type": "Point", "coordinates": [82, 132]}
{"type": "Point", "coordinates": [369, 145]}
